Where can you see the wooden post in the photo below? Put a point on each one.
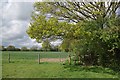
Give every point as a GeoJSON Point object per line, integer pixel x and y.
{"type": "Point", "coordinates": [60, 58]}
{"type": "Point", "coordinates": [38, 58]}
{"type": "Point", "coordinates": [9, 57]}
{"type": "Point", "coordinates": [69, 59]}
{"type": "Point", "coordinates": [75, 62]}
{"type": "Point", "coordinates": [79, 58]}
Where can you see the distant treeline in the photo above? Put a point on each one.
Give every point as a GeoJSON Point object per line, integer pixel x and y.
{"type": "Point", "coordinates": [34, 48]}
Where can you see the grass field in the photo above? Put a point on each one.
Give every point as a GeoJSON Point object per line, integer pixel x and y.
{"type": "Point", "coordinates": [24, 65]}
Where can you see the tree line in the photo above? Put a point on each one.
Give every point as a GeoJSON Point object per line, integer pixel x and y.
{"type": "Point", "coordinates": [46, 46]}
{"type": "Point", "coordinates": [13, 48]}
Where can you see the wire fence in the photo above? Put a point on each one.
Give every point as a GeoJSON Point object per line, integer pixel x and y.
{"type": "Point", "coordinates": [14, 56]}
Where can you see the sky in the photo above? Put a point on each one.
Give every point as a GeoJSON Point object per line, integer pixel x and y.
{"type": "Point", "coordinates": [14, 21]}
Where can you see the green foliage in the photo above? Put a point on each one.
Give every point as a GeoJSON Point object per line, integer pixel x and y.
{"type": "Point", "coordinates": [10, 48]}
{"type": "Point", "coordinates": [2, 48]}
{"type": "Point", "coordinates": [24, 48]}
{"type": "Point", "coordinates": [41, 29]}
{"type": "Point", "coordinates": [66, 46]}
{"type": "Point", "coordinates": [17, 49]}
{"type": "Point", "coordinates": [95, 36]}
{"type": "Point", "coordinates": [97, 69]}
{"type": "Point", "coordinates": [99, 46]}
{"type": "Point", "coordinates": [34, 48]}
{"type": "Point", "coordinates": [46, 45]}
{"type": "Point", "coordinates": [77, 11]}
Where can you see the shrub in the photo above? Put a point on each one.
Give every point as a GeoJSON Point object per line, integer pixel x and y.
{"type": "Point", "coordinates": [99, 46]}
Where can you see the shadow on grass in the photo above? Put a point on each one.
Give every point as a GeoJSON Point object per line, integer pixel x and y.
{"type": "Point", "coordinates": [96, 69]}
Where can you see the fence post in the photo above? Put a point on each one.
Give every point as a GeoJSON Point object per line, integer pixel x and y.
{"type": "Point", "coordinates": [9, 57]}
{"type": "Point", "coordinates": [69, 59]}
{"type": "Point", "coordinates": [60, 57]}
{"type": "Point", "coordinates": [38, 58]}
{"type": "Point", "coordinates": [75, 61]}
{"type": "Point", "coordinates": [79, 58]}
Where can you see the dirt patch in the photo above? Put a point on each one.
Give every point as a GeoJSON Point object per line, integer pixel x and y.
{"type": "Point", "coordinates": [53, 60]}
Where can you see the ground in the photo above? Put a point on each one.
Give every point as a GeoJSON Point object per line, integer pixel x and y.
{"type": "Point", "coordinates": [25, 65]}
{"type": "Point", "coordinates": [53, 60]}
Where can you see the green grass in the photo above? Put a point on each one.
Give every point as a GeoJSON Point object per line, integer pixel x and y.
{"type": "Point", "coordinates": [48, 70]}
{"type": "Point", "coordinates": [23, 65]}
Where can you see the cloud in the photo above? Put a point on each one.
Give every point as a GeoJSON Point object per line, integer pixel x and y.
{"type": "Point", "coordinates": [17, 11]}
{"type": "Point", "coordinates": [14, 29]}
{"type": "Point", "coordinates": [56, 43]}
{"type": "Point", "coordinates": [15, 18]}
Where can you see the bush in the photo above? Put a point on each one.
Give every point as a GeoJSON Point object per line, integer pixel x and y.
{"type": "Point", "coordinates": [99, 46]}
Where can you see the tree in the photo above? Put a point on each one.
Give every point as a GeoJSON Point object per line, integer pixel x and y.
{"type": "Point", "coordinates": [2, 48]}
{"type": "Point", "coordinates": [46, 46]}
{"type": "Point", "coordinates": [10, 48]}
{"type": "Point", "coordinates": [24, 48]}
{"type": "Point", "coordinates": [94, 34]}
{"type": "Point", "coordinates": [55, 48]}
{"type": "Point", "coordinates": [40, 28]}
{"type": "Point", "coordinates": [99, 46]}
{"type": "Point", "coordinates": [110, 37]}
{"type": "Point", "coordinates": [66, 45]}
{"type": "Point", "coordinates": [77, 11]}
{"type": "Point", "coordinates": [34, 48]}
{"type": "Point", "coordinates": [17, 49]}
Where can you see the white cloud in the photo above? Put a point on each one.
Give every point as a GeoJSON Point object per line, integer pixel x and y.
{"type": "Point", "coordinates": [57, 42]}
{"type": "Point", "coordinates": [14, 29]}
{"type": "Point", "coordinates": [15, 18]}
{"type": "Point", "coordinates": [17, 11]}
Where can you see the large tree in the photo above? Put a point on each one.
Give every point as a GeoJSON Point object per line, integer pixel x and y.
{"type": "Point", "coordinates": [41, 28]}
{"type": "Point", "coordinates": [76, 11]}
{"type": "Point", "coordinates": [95, 31]}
